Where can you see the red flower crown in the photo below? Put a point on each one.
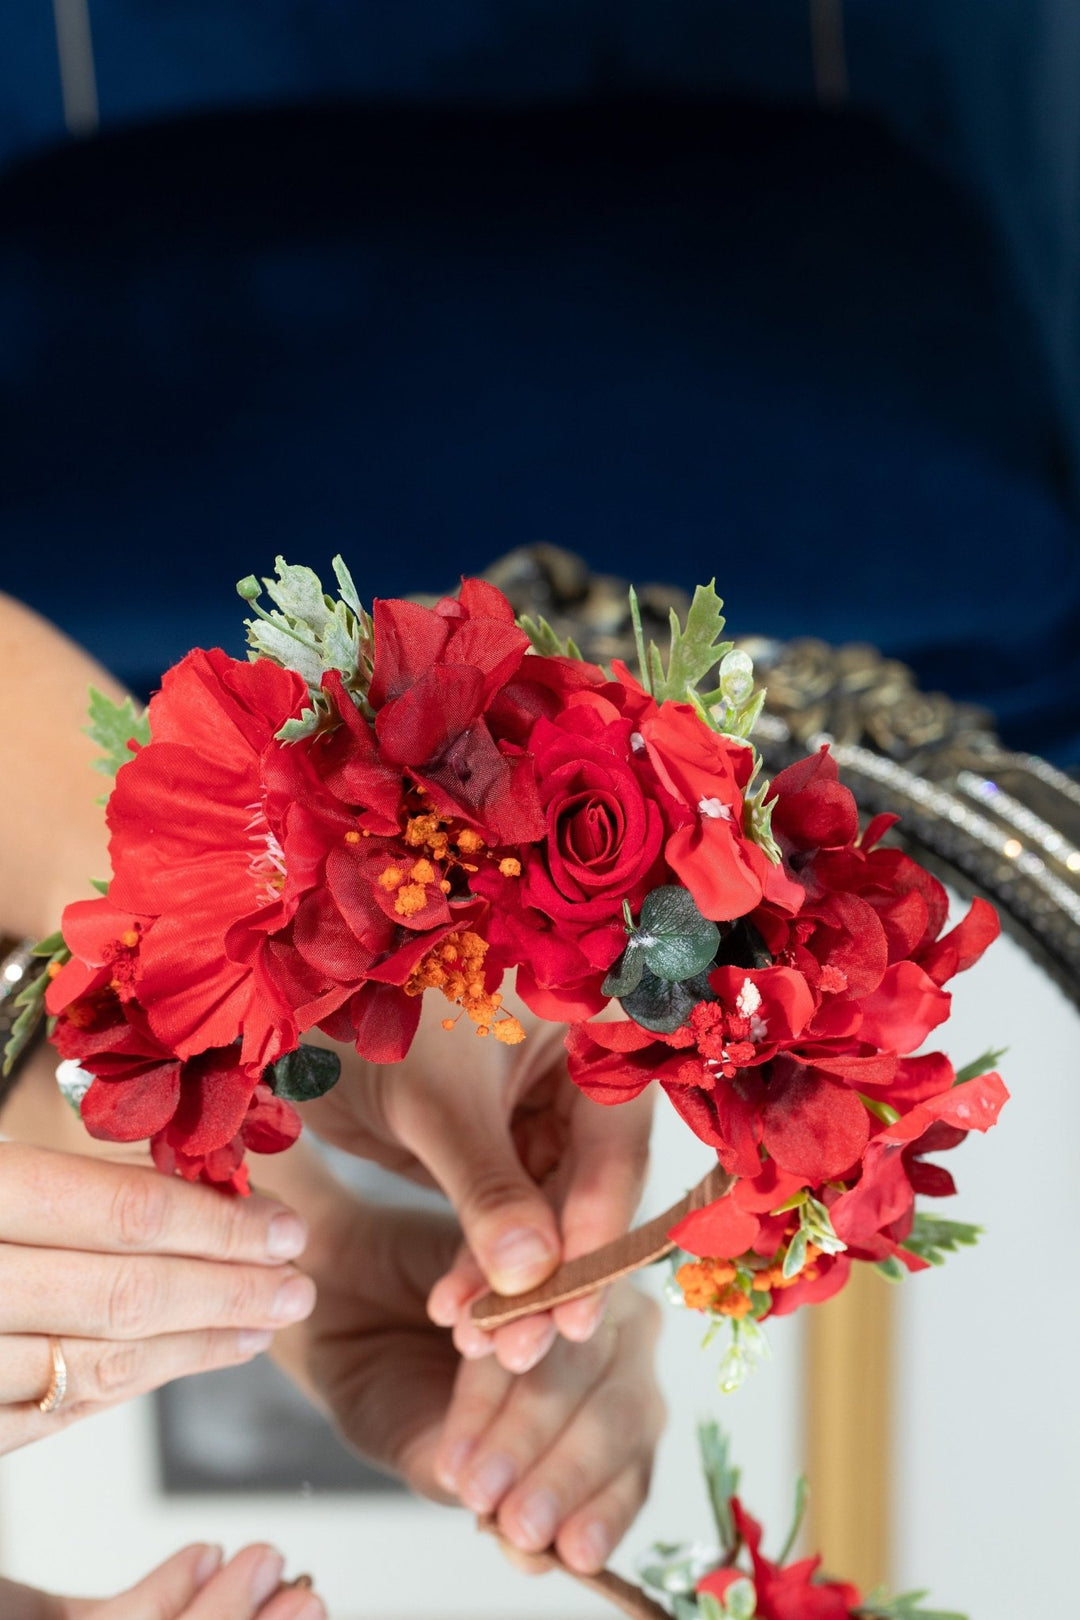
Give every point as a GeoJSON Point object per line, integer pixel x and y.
{"type": "Point", "coordinates": [427, 799]}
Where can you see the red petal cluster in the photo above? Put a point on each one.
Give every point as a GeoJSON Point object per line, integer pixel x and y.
{"type": "Point", "coordinates": [788, 1593]}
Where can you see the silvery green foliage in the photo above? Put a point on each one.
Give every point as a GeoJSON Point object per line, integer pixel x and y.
{"type": "Point", "coordinates": [722, 1482]}
{"type": "Point", "coordinates": [112, 726]}
{"type": "Point", "coordinates": [747, 1350]}
{"type": "Point", "coordinates": [74, 1083]}
{"type": "Point", "coordinates": [311, 633]}
{"type": "Point", "coordinates": [905, 1607]}
{"type": "Point", "coordinates": [673, 1569]}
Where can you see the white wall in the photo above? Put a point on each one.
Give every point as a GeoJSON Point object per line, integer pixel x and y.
{"type": "Point", "coordinates": [989, 1414]}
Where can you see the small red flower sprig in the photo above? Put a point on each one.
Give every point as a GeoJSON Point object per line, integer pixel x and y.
{"type": "Point", "coordinates": [429, 799]}
{"type": "Point", "coordinates": [737, 1582]}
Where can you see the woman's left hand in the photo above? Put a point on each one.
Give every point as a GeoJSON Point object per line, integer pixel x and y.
{"type": "Point", "coordinates": [560, 1456]}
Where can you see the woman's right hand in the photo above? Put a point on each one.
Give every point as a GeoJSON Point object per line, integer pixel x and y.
{"type": "Point", "coordinates": [194, 1585]}
{"type": "Point", "coordinates": [140, 1277]}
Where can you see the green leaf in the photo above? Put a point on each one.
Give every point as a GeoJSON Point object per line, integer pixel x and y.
{"type": "Point", "coordinates": [722, 1482]}
{"type": "Point", "coordinates": [740, 1600]}
{"type": "Point", "coordinates": [892, 1269]}
{"type": "Point", "coordinates": [101, 885]}
{"type": "Point", "coordinates": [905, 1607]}
{"type": "Point", "coordinates": [625, 976]}
{"type": "Point", "coordinates": [311, 634]}
{"type": "Point", "coordinates": [980, 1065]}
{"type": "Point", "coordinates": [798, 1514]}
{"type": "Point", "coordinates": [546, 641]}
{"type": "Point", "coordinates": [644, 672]}
{"type": "Point", "coordinates": [932, 1237]}
{"type": "Point", "coordinates": [664, 1005]}
{"type": "Point", "coordinates": [795, 1259]}
{"type": "Point", "coordinates": [31, 1001]}
{"type": "Point", "coordinates": [710, 1608]}
{"type": "Point", "coordinates": [884, 1111]}
{"type": "Point", "coordinates": [346, 587]}
{"type": "Point", "coordinates": [74, 1083]}
{"type": "Point", "coordinates": [695, 649]}
{"type": "Point", "coordinates": [676, 940]}
{"type": "Point", "coordinates": [303, 1075]}
{"type": "Point", "coordinates": [112, 726]}
{"type": "Point", "coordinates": [686, 1608]}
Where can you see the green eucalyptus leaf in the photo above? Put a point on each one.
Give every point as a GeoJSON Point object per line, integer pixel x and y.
{"type": "Point", "coordinates": [625, 976]}
{"type": "Point", "coordinates": [677, 941]}
{"type": "Point", "coordinates": [710, 1608]}
{"type": "Point", "coordinates": [664, 1005]}
{"type": "Point", "coordinates": [112, 726]}
{"type": "Point", "coordinates": [303, 1075]}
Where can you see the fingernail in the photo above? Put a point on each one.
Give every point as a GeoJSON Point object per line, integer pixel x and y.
{"type": "Point", "coordinates": [441, 1307]}
{"type": "Point", "coordinates": [486, 1488]}
{"type": "Point", "coordinates": [253, 1341]}
{"type": "Point", "coordinates": [538, 1517]}
{"type": "Point", "coordinates": [522, 1359]}
{"type": "Point", "coordinates": [312, 1610]}
{"type": "Point", "coordinates": [592, 1547]}
{"type": "Point", "coordinates": [208, 1565]}
{"type": "Point", "coordinates": [287, 1237]}
{"type": "Point", "coordinates": [583, 1317]}
{"type": "Point", "coordinates": [295, 1300]}
{"type": "Point", "coordinates": [451, 1467]}
{"type": "Point", "coordinates": [267, 1577]}
{"type": "Point", "coordinates": [520, 1259]}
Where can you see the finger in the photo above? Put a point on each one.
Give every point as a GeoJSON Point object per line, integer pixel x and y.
{"type": "Point", "coordinates": [164, 1594]}
{"type": "Point", "coordinates": [609, 1160]}
{"type": "Point", "coordinates": [103, 1370]}
{"type": "Point", "coordinates": [59, 1292]}
{"type": "Point", "coordinates": [296, 1604]}
{"type": "Point", "coordinates": [534, 1413]}
{"type": "Point", "coordinates": [479, 1391]}
{"type": "Point", "coordinates": [63, 1200]}
{"type": "Point", "coordinates": [615, 1427]}
{"type": "Point", "coordinates": [587, 1539]}
{"type": "Point", "coordinates": [465, 1143]}
{"type": "Point", "coordinates": [241, 1590]}
{"type": "Point", "coordinates": [517, 1347]}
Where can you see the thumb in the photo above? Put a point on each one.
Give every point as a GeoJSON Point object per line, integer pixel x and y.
{"type": "Point", "coordinates": [166, 1591]}
{"type": "Point", "coordinates": [467, 1148]}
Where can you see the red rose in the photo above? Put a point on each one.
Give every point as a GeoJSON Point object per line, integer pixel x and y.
{"type": "Point", "coordinates": [603, 833]}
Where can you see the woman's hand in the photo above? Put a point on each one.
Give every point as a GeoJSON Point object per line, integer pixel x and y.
{"type": "Point", "coordinates": [193, 1585]}
{"type": "Point", "coordinates": [140, 1278]}
{"type": "Point", "coordinates": [560, 1456]}
{"type": "Point", "coordinates": [536, 1172]}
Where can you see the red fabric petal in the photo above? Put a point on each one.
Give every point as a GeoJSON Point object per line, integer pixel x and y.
{"type": "Point", "coordinates": [134, 1108]}
{"type": "Point", "coordinates": [907, 1005]}
{"type": "Point", "coordinates": [720, 1231]}
{"type": "Point", "coordinates": [963, 945]}
{"type": "Point", "coordinates": [813, 1126]}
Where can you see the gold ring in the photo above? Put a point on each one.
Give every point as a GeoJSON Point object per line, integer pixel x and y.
{"type": "Point", "coordinates": [53, 1397]}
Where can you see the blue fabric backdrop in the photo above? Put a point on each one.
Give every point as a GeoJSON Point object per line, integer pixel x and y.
{"type": "Point", "coordinates": [831, 357]}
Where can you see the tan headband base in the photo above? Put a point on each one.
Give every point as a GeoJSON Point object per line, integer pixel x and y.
{"type": "Point", "coordinates": [591, 1272]}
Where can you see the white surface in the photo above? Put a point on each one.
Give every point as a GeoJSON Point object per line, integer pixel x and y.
{"type": "Point", "coordinates": [82, 1512]}
{"type": "Point", "coordinates": [989, 1417]}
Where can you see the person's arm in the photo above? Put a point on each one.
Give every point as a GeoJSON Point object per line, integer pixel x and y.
{"type": "Point", "coordinates": [52, 830]}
